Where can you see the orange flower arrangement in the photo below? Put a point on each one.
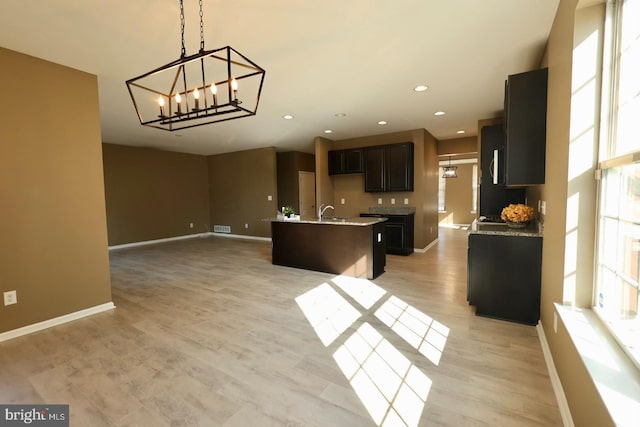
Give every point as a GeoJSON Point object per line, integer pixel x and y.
{"type": "Point", "coordinates": [517, 213]}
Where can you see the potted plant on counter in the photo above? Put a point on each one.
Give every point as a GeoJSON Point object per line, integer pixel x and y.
{"type": "Point", "coordinates": [288, 211]}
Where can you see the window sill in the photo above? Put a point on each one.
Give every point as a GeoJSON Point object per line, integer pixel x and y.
{"type": "Point", "coordinates": [615, 376]}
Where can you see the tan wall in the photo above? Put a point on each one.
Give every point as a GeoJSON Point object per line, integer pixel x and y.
{"type": "Point", "coordinates": [459, 190]}
{"type": "Point", "coordinates": [458, 197]}
{"type": "Point", "coordinates": [587, 408]}
{"type": "Point", "coordinates": [324, 183]}
{"type": "Point", "coordinates": [53, 249]}
{"type": "Point", "coordinates": [153, 194]}
{"type": "Point", "coordinates": [288, 166]}
{"type": "Point", "coordinates": [350, 187]}
{"type": "Point", "coordinates": [468, 144]}
{"type": "Point", "coordinates": [239, 185]}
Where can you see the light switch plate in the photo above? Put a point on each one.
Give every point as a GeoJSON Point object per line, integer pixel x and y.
{"type": "Point", "coordinates": [342, 201]}
{"type": "Point", "coordinates": [379, 201]}
{"type": "Point", "coordinates": [393, 201]}
{"type": "Point", "coordinates": [406, 201]}
{"type": "Point", "coordinates": [269, 197]}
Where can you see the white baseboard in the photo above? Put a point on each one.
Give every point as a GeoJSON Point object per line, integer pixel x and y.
{"type": "Point", "coordinates": [241, 236]}
{"type": "Point", "coordinates": [429, 246]}
{"type": "Point", "coordinates": [188, 236]}
{"type": "Point", "coordinates": [29, 329]}
{"type": "Point", "coordinates": [156, 241]}
{"type": "Point", "coordinates": [563, 405]}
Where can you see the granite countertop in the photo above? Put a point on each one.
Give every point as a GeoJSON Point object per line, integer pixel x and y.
{"type": "Point", "coordinates": [392, 210]}
{"type": "Point", "coordinates": [333, 221]}
{"type": "Point", "coordinates": [533, 230]}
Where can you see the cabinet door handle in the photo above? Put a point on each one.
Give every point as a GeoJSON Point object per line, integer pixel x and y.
{"type": "Point", "coordinates": [494, 168]}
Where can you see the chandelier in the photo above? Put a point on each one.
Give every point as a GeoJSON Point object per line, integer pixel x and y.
{"type": "Point", "coordinates": [207, 87]}
{"type": "Point", "coordinates": [450, 171]}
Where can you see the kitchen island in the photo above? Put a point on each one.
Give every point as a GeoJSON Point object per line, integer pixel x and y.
{"type": "Point", "coordinates": [350, 246]}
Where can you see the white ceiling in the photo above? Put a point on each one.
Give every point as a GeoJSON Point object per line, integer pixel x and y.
{"type": "Point", "coordinates": [359, 57]}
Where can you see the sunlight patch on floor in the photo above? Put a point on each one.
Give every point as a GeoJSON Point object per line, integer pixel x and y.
{"type": "Point", "coordinates": [328, 313]}
{"type": "Point", "coordinates": [365, 292]}
{"type": "Point", "coordinates": [391, 388]}
{"type": "Point", "coordinates": [422, 332]}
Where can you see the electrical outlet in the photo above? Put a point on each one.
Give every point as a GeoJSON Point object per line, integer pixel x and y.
{"type": "Point", "coordinates": [246, 226]}
{"type": "Point", "coordinates": [269, 198]}
{"type": "Point", "coordinates": [342, 201]}
{"type": "Point", "coordinates": [543, 207]}
{"type": "Point", "coordinates": [10, 297]}
{"type": "Point", "coordinates": [406, 201]}
{"type": "Point", "coordinates": [393, 201]}
{"type": "Point", "coordinates": [379, 201]}
{"type": "Point", "coordinates": [190, 225]}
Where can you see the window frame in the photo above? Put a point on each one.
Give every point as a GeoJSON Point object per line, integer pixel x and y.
{"type": "Point", "coordinates": [609, 160]}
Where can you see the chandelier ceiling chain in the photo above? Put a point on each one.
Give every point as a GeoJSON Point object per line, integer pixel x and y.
{"type": "Point", "coordinates": [197, 89]}
{"type": "Point", "coordinates": [183, 51]}
{"type": "Point", "coordinates": [201, 29]}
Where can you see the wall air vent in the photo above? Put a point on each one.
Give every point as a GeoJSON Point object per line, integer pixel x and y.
{"type": "Point", "coordinates": [222, 229]}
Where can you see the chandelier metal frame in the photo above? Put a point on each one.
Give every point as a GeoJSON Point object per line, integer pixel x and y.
{"type": "Point", "coordinates": [195, 96]}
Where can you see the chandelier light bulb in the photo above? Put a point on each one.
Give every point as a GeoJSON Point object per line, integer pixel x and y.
{"type": "Point", "coordinates": [196, 94]}
{"type": "Point", "coordinates": [234, 85]}
{"type": "Point", "coordinates": [214, 89]}
{"type": "Point", "coordinates": [161, 104]}
{"type": "Point", "coordinates": [179, 102]}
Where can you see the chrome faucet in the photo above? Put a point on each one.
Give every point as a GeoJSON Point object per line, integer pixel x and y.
{"type": "Point", "coordinates": [323, 208]}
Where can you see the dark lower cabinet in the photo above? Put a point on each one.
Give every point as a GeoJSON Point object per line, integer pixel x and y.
{"type": "Point", "coordinates": [504, 274]}
{"type": "Point", "coordinates": [399, 232]}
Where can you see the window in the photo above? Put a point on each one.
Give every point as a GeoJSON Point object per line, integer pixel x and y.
{"type": "Point", "coordinates": [618, 256]}
{"type": "Point", "coordinates": [442, 184]}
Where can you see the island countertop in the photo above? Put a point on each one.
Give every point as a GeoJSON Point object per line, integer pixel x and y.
{"type": "Point", "coordinates": [357, 221]}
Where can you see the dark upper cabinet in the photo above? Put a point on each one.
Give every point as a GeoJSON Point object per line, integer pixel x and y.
{"type": "Point", "coordinates": [389, 168]}
{"type": "Point", "coordinates": [525, 112]}
{"type": "Point", "coordinates": [495, 196]}
{"type": "Point", "coordinates": [399, 167]}
{"type": "Point", "coordinates": [374, 169]}
{"type": "Point", "coordinates": [345, 161]}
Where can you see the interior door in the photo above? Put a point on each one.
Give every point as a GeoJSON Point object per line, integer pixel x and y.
{"type": "Point", "coordinates": [307, 194]}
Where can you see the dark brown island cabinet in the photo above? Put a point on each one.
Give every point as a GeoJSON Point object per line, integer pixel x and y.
{"type": "Point", "coordinates": [504, 274]}
{"type": "Point", "coordinates": [399, 232]}
{"type": "Point", "coordinates": [353, 247]}
{"type": "Point", "coordinates": [388, 168]}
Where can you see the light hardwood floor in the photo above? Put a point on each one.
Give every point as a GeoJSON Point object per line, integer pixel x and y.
{"type": "Point", "coordinates": [207, 332]}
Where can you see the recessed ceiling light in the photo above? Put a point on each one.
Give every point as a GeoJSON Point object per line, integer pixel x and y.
{"type": "Point", "coordinates": [439, 113]}
{"type": "Point", "coordinates": [420, 88]}
{"type": "Point", "coordinates": [340, 115]}
{"type": "Point", "coordinates": [328, 131]}
{"type": "Point", "coordinates": [287, 117]}
{"type": "Point", "coordinates": [382, 122]}
{"type": "Point", "coordinates": [460, 131]}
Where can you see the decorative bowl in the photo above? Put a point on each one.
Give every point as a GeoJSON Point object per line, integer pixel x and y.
{"type": "Point", "coordinates": [517, 224]}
